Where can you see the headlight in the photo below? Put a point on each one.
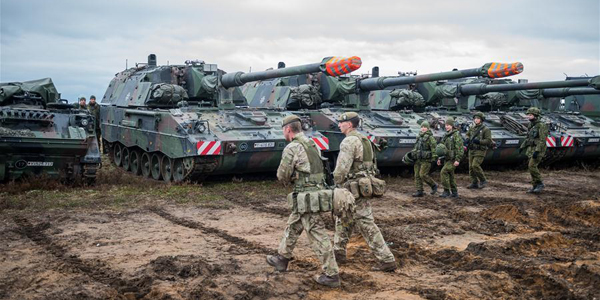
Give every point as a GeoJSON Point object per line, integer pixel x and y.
{"type": "Point", "coordinates": [200, 127]}
{"type": "Point", "coordinates": [84, 122]}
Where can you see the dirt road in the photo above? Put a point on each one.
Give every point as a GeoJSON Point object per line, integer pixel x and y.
{"type": "Point", "coordinates": [130, 238]}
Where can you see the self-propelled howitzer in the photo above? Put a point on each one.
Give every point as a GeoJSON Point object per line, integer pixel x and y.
{"type": "Point", "coordinates": [181, 122]}
{"type": "Point", "coordinates": [41, 134]}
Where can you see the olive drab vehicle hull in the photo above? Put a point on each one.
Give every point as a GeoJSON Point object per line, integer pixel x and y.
{"type": "Point", "coordinates": [41, 135]}
{"type": "Point", "coordinates": [323, 99]}
{"type": "Point", "coordinates": [186, 122]}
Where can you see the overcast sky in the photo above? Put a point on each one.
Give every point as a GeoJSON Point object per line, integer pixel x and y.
{"type": "Point", "coordinates": [81, 44]}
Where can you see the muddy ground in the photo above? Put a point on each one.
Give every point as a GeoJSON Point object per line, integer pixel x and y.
{"type": "Point", "coordinates": [131, 238]}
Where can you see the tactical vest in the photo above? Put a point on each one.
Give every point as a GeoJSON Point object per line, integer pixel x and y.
{"type": "Point", "coordinates": [315, 179]}
{"type": "Point", "coordinates": [422, 147]}
{"type": "Point", "coordinates": [478, 133]}
{"type": "Point", "coordinates": [310, 193]}
{"type": "Point", "coordinates": [448, 141]}
{"type": "Point", "coordinates": [532, 135]}
{"type": "Point", "coordinates": [367, 165]}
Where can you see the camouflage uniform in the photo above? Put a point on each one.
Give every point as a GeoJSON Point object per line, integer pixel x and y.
{"type": "Point", "coordinates": [350, 164]}
{"type": "Point", "coordinates": [454, 145]}
{"type": "Point", "coordinates": [95, 112]}
{"type": "Point", "coordinates": [479, 140]}
{"type": "Point", "coordinates": [535, 146]}
{"type": "Point", "coordinates": [424, 154]}
{"type": "Point", "coordinates": [295, 166]}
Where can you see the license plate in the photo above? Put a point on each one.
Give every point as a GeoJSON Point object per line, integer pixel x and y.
{"type": "Point", "coordinates": [594, 140]}
{"type": "Point", "coordinates": [407, 141]}
{"type": "Point", "coordinates": [264, 145]}
{"type": "Point", "coordinates": [512, 142]}
{"type": "Point", "coordinates": [40, 163]}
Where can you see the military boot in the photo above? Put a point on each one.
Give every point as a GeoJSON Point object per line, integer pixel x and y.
{"type": "Point", "coordinates": [473, 185]}
{"type": "Point", "coordinates": [434, 189]}
{"type": "Point", "coordinates": [454, 194]}
{"type": "Point", "coordinates": [330, 281]}
{"type": "Point", "coordinates": [418, 194]}
{"type": "Point", "coordinates": [279, 262]}
{"type": "Point", "coordinates": [340, 257]}
{"type": "Point", "coordinates": [482, 184]}
{"type": "Point", "coordinates": [445, 194]}
{"type": "Point", "coordinates": [529, 191]}
{"type": "Point", "coordinates": [385, 267]}
{"type": "Point", "coordinates": [538, 188]}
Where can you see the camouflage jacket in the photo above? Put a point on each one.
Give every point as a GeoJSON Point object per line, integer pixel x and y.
{"type": "Point", "coordinates": [95, 111]}
{"type": "Point", "coordinates": [483, 134]}
{"type": "Point", "coordinates": [351, 157]}
{"type": "Point", "coordinates": [536, 138]}
{"type": "Point", "coordinates": [454, 145]}
{"type": "Point", "coordinates": [295, 166]}
{"type": "Point", "coordinates": [79, 106]}
{"type": "Point", "coordinates": [425, 147]}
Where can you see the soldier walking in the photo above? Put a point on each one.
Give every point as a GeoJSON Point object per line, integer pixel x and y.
{"type": "Point", "coordinates": [479, 139]}
{"type": "Point", "coordinates": [301, 165]}
{"type": "Point", "coordinates": [357, 160]}
{"type": "Point", "coordinates": [454, 153]}
{"type": "Point", "coordinates": [535, 147]}
{"type": "Point", "coordinates": [94, 109]}
{"type": "Point", "coordinates": [424, 155]}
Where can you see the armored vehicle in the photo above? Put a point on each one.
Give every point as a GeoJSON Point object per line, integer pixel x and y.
{"type": "Point", "coordinates": [572, 135]}
{"type": "Point", "coordinates": [184, 122]}
{"type": "Point", "coordinates": [391, 126]}
{"type": "Point", "coordinates": [585, 100]}
{"type": "Point", "coordinates": [41, 134]}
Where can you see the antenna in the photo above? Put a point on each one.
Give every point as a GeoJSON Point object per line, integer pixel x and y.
{"type": "Point", "coordinates": [126, 64]}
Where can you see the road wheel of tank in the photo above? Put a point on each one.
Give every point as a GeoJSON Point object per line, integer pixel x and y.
{"type": "Point", "coordinates": [166, 168]}
{"type": "Point", "coordinates": [125, 158]}
{"type": "Point", "coordinates": [135, 162]}
{"type": "Point", "coordinates": [145, 165]}
{"type": "Point", "coordinates": [178, 170]}
{"type": "Point", "coordinates": [155, 166]}
{"type": "Point", "coordinates": [117, 154]}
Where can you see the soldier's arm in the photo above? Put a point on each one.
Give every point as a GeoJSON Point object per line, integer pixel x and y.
{"type": "Point", "coordinates": [541, 140]}
{"type": "Point", "coordinates": [432, 144]}
{"type": "Point", "coordinates": [458, 148]}
{"type": "Point", "coordinates": [487, 137]}
{"type": "Point", "coordinates": [286, 166]}
{"type": "Point", "coordinates": [344, 161]}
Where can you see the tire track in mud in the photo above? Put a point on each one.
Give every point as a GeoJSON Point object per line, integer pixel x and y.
{"type": "Point", "coordinates": [251, 247]}
{"type": "Point", "coordinates": [95, 270]}
{"type": "Point", "coordinates": [256, 205]}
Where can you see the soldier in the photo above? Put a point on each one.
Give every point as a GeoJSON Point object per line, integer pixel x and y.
{"type": "Point", "coordinates": [81, 104]}
{"type": "Point", "coordinates": [357, 160]}
{"type": "Point", "coordinates": [94, 109]}
{"type": "Point", "coordinates": [535, 147]}
{"type": "Point", "coordinates": [454, 153]}
{"type": "Point", "coordinates": [479, 139]}
{"type": "Point", "coordinates": [424, 155]}
{"type": "Point", "coordinates": [301, 165]}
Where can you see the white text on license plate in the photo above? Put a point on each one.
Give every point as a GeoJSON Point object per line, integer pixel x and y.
{"type": "Point", "coordinates": [264, 145]}
{"type": "Point", "coordinates": [512, 142]}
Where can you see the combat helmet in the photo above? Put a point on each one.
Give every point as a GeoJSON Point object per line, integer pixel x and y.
{"type": "Point", "coordinates": [479, 115]}
{"type": "Point", "coordinates": [425, 124]}
{"type": "Point", "coordinates": [533, 111]}
{"type": "Point", "coordinates": [450, 121]}
{"type": "Point", "coordinates": [441, 150]}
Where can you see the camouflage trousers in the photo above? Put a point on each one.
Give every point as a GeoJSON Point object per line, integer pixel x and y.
{"type": "Point", "coordinates": [422, 169]}
{"type": "Point", "coordinates": [447, 176]}
{"type": "Point", "coordinates": [475, 170]}
{"type": "Point", "coordinates": [365, 223]}
{"type": "Point", "coordinates": [318, 238]}
{"type": "Point", "coordinates": [532, 166]}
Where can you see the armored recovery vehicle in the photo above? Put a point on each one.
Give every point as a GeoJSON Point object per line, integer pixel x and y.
{"type": "Point", "coordinates": [43, 135]}
{"type": "Point", "coordinates": [184, 122]}
{"type": "Point", "coordinates": [392, 128]}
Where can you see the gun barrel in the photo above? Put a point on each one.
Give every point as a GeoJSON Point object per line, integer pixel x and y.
{"type": "Point", "coordinates": [333, 66]}
{"type": "Point", "coordinates": [491, 70]}
{"type": "Point", "coordinates": [481, 88]}
{"type": "Point", "coordinates": [564, 92]}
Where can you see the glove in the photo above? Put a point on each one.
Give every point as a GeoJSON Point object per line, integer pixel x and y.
{"type": "Point", "coordinates": [535, 155]}
{"type": "Point", "coordinates": [476, 141]}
